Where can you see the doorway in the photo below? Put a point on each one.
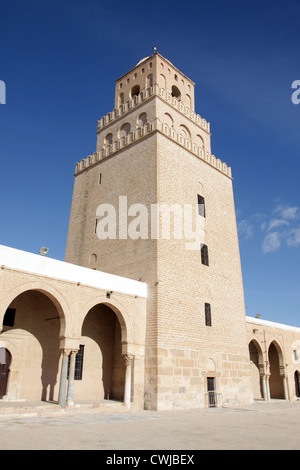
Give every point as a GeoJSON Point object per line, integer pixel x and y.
{"type": "Point", "coordinates": [5, 361]}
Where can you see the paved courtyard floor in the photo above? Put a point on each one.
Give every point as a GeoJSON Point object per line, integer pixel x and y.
{"type": "Point", "coordinates": [262, 426]}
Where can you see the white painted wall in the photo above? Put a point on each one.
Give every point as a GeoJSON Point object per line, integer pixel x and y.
{"type": "Point", "coordinates": [29, 262]}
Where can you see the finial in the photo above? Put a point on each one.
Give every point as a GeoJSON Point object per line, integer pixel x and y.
{"type": "Point", "coordinates": [154, 49]}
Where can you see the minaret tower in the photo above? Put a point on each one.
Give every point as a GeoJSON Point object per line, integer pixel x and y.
{"type": "Point", "coordinates": [153, 157]}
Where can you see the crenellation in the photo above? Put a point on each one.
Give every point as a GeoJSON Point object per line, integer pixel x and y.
{"type": "Point", "coordinates": [142, 132]}
{"type": "Point", "coordinates": [148, 323]}
{"type": "Point", "coordinates": [148, 94]}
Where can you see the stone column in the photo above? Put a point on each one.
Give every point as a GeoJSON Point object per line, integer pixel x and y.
{"type": "Point", "coordinates": [128, 358]}
{"type": "Point", "coordinates": [268, 396]}
{"type": "Point", "coordinates": [63, 378]}
{"type": "Point", "coordinates": [285, 388]}
{"type": "Point", "coordinates": [264, 387]}
{"type": "Point", "coordinates": [70, 401]}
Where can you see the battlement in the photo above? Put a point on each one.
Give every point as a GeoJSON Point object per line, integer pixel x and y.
{"type": "Point", "coordinates": [142, 132]}
{"type": "Point", "coordinates": [145, 95]}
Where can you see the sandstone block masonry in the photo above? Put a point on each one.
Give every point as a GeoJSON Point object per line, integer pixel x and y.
{"type": "Point", "coordinates": [148, 308]}
{"type": "Point", "coordinates": [154, 149]}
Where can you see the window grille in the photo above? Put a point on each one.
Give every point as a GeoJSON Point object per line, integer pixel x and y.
{"type": "Point", "coordinates": [78, 363]}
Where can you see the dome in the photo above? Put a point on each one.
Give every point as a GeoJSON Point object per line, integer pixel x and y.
{"type": "Point", "coordinates": [145, 58]}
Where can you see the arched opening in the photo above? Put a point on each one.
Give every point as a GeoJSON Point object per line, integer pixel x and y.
{"type": "Point", "coordinates": [93, 261]}
{"type": "Point", "coordinates": [189, 101]}
{"type": "Point", "coordinates": [5, 361]}
{"type": "Point", "coordinates": [255, 360]}
{"type": "Point", "coordinates": [142, 119]}
{"type": "Point", "coordinates": [150, 81]}
{"type": "Point", "coordinates": [103, 367]}
{"type": "Point", "coordinates": [135, 90]}
{"type": "Point", "coordinates": [168, 120]}
{"type": "Point", "coordinates": [276, 381]}
{"type": "Point", "coordinates": [199, 141]}
{"type": "Point", "coordinates": [297, 383]}
{"type": "Point", "coordinates": [121, 98]}
{"type": "Point", "coordinates": [175, 92]}
{"type": "Point", "coordinates": [184, 131]}
{"type": "Point", "coordinates": [163, 81]}
{"type": "Point", "coordinates": [32, 325]}
{"type": "Point", "coordinates": [109, 139]}
{"type": "Point", "coordinates": [125, 129]}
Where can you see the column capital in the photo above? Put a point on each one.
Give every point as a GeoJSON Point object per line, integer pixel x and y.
{"type": "Point", "coordinates": [128, 359]}
{"type": "Point", "coordinates": [65, 351]}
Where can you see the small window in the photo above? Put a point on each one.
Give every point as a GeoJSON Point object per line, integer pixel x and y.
{"type": "Point", "coordinates": [295, 355]}
{"type": "Point", "coordinates": [9, 317]}
{"type": "Point", "coordinates": [204, 255]}
{"type": "Point", "coordinates": [201, 205]}
{"type": "Point", "coordinates": [100, 178]}
{"type": "Point", "coordinates": [78, 363]}
{"type": "Point", "coordinates": [207, 314]}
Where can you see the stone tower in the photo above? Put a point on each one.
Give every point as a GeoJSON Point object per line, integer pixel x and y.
{"type": "Point", "coordinates": [153, 160]}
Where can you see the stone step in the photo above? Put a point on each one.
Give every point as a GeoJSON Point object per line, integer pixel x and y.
{"type": "Point", "coordinates": [28, 409]}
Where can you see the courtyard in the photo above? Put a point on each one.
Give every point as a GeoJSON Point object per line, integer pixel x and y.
{"type": "Point", "coordinates": [271, 425]}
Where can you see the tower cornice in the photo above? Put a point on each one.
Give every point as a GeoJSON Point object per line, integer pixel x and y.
{"type": "Point", "coordinates": [156, 126]}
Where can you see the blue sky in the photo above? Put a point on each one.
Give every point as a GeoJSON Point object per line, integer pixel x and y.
{"type": "Point", "coordinates": [59, 61]}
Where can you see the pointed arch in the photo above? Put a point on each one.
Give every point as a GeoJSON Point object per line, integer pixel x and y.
{"type": "Point", "coordinates": [276, 366]}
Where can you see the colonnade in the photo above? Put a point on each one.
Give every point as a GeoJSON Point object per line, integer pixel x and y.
{"type": "Point", "coordinates": [265, 381]}
{"type": "Point", "coordinates": [67, 378]}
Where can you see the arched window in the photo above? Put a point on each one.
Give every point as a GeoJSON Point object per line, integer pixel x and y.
{"type": "Point", "coordinates": [109, 139]}
{"type": "Point", "coordinates": [162, 80]}
{"type": "Point", "coordinates": [125, 129]}
{"type": "Point", "coordinates": [199, 141]}
{"type": "Point", "coordinates": [185, 132]}
{"type": "Point", "coordinates": [142, 119]}
{"type": "Point", "coordinates": [93, 261]}
{"type": "Point", "coordinates": [121, 99]}
{"type": "Point", "coordinates": [135, 90]}
{"type": "Point", "coordinates": [188, 101]}
{"type": "Point", "coordinates": [168, 120]}
{"type": "Point", "coordinates": [175, 92]}
{"type": "Point", "coordinates": [150, 80]}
